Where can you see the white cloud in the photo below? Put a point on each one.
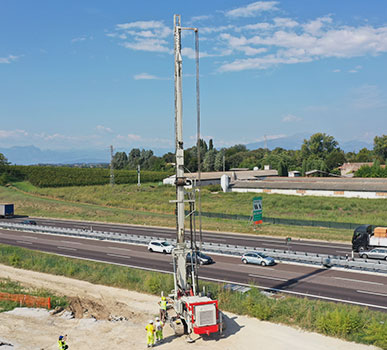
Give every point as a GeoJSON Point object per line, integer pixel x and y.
{"type": "Point", "coordinates": [314, 27]}
{"type": "Point", "coordinates": [145, 76]}
{"type": "Point", "coordinates": [260, 63]}
{"type": "Point", "coordinates": [190, 53]}
{"type": "Point", "coordinates": [200, 18]}
{"type": "Point", "coordinates": [9, 59]}
{"type": "Point", "coordinates": [79, 39]}
{"type": "Point", "coordinates": [269, 137]}
{"type": "Point", "coordinates": [291, 47]}
{"type": "Point", "coordinates": [129, 137]}
{"type": "Point", "coordinates": [143, 36]}
{"type": "Point", "coordinates": [355, 70]}
{"type": "Point", "coordinates": [12, 134]}
{"type": "Point", "coordinates": [290, 118]}
{"type": "Point", "coordinates": [336, 71]}
{"type": "Point", "coordinates": [285, 22]}
{"type": "Point", "coordinates": [256, 26]}
{"type": "Point", "coordinates": [102, 128]}
{"type": "Point", "coordinates": [217, 29]}
{"type": "Point", "coordinates": [152, 45]}
{"type": "Point", "coordinates": [252, 9]}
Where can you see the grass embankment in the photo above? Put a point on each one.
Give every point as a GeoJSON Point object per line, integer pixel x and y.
{"type": "Point", "coordinates": [12, 287]}
{"type": "Point", "coordinates": [343, 321]}
{"type": "Point", "coordinates": [90, 203]}
{"type": "Point", "coordinates": [154, 198]}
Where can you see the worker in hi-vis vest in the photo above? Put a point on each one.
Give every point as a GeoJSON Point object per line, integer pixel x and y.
{"type": "Point", "coordinates": [62, 343]}
{"type": "Point", "coordinates": [159, 329]}
{"type": "Point", "coordinates": [150, 331]}
{"type": "Point", "coordinates": [163, 308]}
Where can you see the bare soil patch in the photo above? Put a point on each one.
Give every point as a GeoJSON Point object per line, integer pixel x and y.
{"type": "Point", "coordinates": [112, 318]}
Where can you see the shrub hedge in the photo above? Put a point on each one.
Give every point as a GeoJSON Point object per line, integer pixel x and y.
{"type": "Point", "coordinates": [49, 176]}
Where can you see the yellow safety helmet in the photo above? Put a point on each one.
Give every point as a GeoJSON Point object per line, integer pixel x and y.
{"type": "Point", "coordinates": [162, 298]}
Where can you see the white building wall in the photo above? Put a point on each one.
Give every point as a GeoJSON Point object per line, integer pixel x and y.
{"type": "Point", "coordinates": [319, 193]}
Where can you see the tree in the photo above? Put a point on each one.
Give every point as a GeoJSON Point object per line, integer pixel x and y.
{"type": "Point", "coordinates": [335, 159]}
{"type": "Point", "coordinates": [134, 158]}
{"type": "Point", "coordinates": [319, 144]}
{"type": "Point", "coordinates": [210, 145]}
{"type": "Point", "coordinates": [209, 160]}
{"type": "Point", "coordinates": [380, 146]}
{"type": "Point", "coordinates": [218, 165]}
{"type": "Point", "coordinates": [120, 160]}
{"type": "Point", "coordinates": [282, 169]}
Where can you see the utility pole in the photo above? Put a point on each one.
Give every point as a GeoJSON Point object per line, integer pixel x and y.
{"type": "Point", "coordinates": [224, 162]}
{"type": "Point", "coordinates": [138, 176]}
{"type": "Point", "coordinates": [111, 166]}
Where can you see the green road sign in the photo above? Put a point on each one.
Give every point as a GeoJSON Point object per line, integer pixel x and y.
{"type": "Point", "coordinates": [257, 210]}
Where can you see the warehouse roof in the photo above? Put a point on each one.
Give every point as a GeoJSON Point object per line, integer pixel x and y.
{"type": "Point", "coordinates": [333, 184]}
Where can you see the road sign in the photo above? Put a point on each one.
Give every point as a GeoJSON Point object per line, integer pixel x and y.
{"type": "Point", "coordinates": [257, 210]}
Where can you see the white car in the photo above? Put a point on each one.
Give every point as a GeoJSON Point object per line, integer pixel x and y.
{"type": "Point", "coordinates": [160, 247]}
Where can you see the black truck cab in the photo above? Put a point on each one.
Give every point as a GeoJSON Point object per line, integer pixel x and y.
{"type": "Point", "coordinates": [361, 236]}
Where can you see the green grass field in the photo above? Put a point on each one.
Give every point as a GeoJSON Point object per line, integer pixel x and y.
{"type": "Point", "coordinates": [150, 205]}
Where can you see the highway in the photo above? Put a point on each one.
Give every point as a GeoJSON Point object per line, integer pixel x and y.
{"type": "Point", "coordinates": [218, 237]}
{"type": "Point", "coordinates": [336, 285]}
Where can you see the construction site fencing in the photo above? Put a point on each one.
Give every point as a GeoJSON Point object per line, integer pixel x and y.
{"type": "Point", "coordinates": [282, 221]}
{"type": "Point", "coordinates": [217, 248]}
{"type": "Point", "coordinates": [27, 300]}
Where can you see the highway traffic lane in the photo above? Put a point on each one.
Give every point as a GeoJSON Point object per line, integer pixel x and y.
{"type": "Point", "coordinates": [296, 282]}
{"type": "Point", "coordinates": [224, 238]}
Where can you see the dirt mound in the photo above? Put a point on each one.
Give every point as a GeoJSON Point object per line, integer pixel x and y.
{"type": "Point", "coordinates": [87, 308]}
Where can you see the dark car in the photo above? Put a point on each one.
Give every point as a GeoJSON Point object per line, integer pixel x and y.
{"type": "Point", "coordinates": [28, 222]}
{"type": "Point", "coordinates": [203, 259]}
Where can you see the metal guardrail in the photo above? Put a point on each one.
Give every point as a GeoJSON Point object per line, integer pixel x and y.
{"type": "Point", "coordinates": [227, 249]}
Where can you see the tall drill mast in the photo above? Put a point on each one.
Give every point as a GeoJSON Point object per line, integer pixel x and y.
{"type": "Point", "coordinates": [180, 251]}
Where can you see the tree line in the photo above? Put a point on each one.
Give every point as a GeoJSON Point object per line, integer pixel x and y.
{"type": "Point", "coordinates": [319, 152]}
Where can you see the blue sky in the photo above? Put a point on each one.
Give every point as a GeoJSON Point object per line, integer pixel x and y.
{"type": "Point", "coordinates": [88, 74]}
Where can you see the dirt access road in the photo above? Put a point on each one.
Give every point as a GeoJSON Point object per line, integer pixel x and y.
{"type": "Point", "coordinates": [93, 305]}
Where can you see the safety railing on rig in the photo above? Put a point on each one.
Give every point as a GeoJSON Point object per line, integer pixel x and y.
{"type": "Point", "coordinates": [216, 248]}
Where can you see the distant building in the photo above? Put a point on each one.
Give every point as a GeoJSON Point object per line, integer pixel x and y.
{"type": "Point", "coordinates": [213, 177]}
{"type": "Point", "coordinates": [294, 173]}
{"type": "Point", "coordinates": [348, 169]}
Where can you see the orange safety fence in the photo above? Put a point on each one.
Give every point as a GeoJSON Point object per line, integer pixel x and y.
{"type": "Point", "coordinates": [27, 300]}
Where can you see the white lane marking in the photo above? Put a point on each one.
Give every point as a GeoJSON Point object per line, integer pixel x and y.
{"type": "Point", "coordinates": [255, 266]}
{"type": "Point", "coordinates": [24, 242]}
{"type": "Point", "coordinates": [269, 278]}
{"type": "Point", "coordinates": [66, 248]}
{"type": "Point", "coordinates": [352, 280]}
{"type": "Point", "coordinates": [281, 244]}
{"type": "Point", "coordinates": [373, 293]}
{"type": "Point", "coordinates": [30, 237]}
{"type": "Point", "coordinates": [71, 242]}
{"type": "Point", "coordinates": [119, 256]}
{"type": "Point", "coordinates": [125, 249]}
{"type": "Point", "coordinates": [241, 284]}
{"type": "Point", "coordinates": [296, 293]}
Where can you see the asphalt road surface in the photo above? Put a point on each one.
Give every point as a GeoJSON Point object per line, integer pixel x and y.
{"type": "Point", "coordinates": [336, 285]}
{"type": "Point", "coordinates": [333, 249]}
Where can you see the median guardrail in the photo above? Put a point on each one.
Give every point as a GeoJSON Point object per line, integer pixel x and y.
{"type": "Point", "coordinates": [218, 248]}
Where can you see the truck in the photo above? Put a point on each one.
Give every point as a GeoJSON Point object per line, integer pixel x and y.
{"type": "Point", "coordinates": [366, 237]}
{"type": "Point", "coordinates": [6, 210]}
{"type": "Point", "coordinates": [195, 311]}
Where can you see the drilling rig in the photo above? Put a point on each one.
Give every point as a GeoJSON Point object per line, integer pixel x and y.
{"type": "Point", "coordinates": [196, 312]}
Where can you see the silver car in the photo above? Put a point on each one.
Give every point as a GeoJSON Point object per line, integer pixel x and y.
{"type": "Point", "coordinates": [257, 258]}
{"type": "Point", "coordinates": [376, 253]}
